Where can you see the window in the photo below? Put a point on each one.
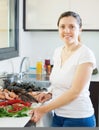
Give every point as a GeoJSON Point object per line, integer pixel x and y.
{"type": "Point", "coordinates": [9, 29]}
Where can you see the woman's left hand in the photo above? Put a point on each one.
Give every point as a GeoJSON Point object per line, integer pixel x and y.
{"type": "Point", "coordinates": [43, 97]}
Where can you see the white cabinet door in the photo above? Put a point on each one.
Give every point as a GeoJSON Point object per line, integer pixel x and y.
{"type": "Point", "coordinates": [43, 14]}
{"type": "Point", "coordinates": [88, 10]}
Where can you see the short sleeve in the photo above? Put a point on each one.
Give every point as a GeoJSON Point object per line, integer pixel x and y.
{"type": "Point", "coordinates": [87, 56]}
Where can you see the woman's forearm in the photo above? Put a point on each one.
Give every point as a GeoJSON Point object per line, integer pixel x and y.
{"type": "Point", "coordinates": [62, 100]}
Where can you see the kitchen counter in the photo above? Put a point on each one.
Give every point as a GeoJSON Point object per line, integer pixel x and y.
{"type": "Point", "coordinates": [13, 122]}
{"type": "Point", "coordinates": [45, 121]}
{"type": "Point", "coordinates": [43, 80]}
{"type": "Point", "coordinates": [95, 78]}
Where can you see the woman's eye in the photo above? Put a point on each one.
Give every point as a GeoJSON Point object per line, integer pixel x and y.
{"type": "Point", "coordinates": [62, 27]}
{"type": "Point", "coordinates": [71, 27]}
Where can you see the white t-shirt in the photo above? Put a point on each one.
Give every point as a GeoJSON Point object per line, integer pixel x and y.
{"type": "Point", "coordinates": [61, 80]}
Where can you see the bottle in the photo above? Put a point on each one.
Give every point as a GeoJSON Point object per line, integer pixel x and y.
{"type": "Point", "coordinates": [48, 69]}
{"type": "Point", "coordinates": [39, 67]}
{"type": "Point", "coordinates": [47, 61]}
{"type": "Point", "coordinates": [47, 66]}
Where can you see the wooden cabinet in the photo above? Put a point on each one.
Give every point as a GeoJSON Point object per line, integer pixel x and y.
{"type": "Point", "coordinates": [43, 15]}
{"type": "Point", "coordinates": [94, 94]}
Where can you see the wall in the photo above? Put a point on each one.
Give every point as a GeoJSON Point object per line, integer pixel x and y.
{"type": "Point", "coordinates": [40, 45]}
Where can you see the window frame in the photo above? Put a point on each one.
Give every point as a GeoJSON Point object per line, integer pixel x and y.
{"type": "Point", "coordinates": [11, 52]}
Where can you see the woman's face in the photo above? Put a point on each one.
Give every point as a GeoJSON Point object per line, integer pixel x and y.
{"type": "Point", "coordinates": [69, 30]}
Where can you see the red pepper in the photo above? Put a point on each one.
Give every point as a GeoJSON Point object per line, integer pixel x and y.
{"type": "Point", "coordinates": [3, 103]}
{"type": "Point", "coordinates": [16, 108]}
{"type": "Point", "coordinates": [10, 102]}
{"type": "Point", "coordinates": [28, 104]}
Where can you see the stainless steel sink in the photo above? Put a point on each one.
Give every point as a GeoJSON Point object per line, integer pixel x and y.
{"type": "Point", "coordinates": [37, 80]}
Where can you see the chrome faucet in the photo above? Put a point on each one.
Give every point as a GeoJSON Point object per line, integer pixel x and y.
{"type": "Point", "coordinates": [21, 73]}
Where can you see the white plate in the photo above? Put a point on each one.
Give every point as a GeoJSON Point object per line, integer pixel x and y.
{"type": "Point", "coordinates": [14, 121]}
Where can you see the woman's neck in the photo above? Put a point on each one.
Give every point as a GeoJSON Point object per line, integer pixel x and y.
{"type": "Point", "coordinates": [71, 47]}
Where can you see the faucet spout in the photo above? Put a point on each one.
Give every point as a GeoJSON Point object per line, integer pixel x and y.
{"type": "Point", "coordinates": [21, 66]}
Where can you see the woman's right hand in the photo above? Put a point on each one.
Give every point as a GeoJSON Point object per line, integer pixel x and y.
{"type": "Point", "coordinates": [37, 113]}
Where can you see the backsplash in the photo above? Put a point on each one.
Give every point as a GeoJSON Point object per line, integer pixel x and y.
{"type": "Point", "coordinates": [9, 66]}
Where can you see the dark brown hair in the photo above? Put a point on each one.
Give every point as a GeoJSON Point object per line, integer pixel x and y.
{"type": "Point", "coordinates": [73, 14]}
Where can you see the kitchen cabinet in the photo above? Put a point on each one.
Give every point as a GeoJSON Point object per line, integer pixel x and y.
{"type": "Point", "coordinates": [94, 94]}
{"type": "Point", "coordinates": [88, 10]}
{"type": "Point", "coordinates": [43, 15]}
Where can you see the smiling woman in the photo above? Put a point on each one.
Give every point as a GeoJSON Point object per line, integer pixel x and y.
{"type": "Point", "coordinates": [9, 14]}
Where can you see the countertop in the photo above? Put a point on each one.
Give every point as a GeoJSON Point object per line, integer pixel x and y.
{"type": "Point", "coordinates": [95, 78]}
{"type": "Point", "coordinates": [13, 122]}
{"type": "Point", "coordinates": [46, 119]}
{"type": "Point", "coordinates": [45, 79]}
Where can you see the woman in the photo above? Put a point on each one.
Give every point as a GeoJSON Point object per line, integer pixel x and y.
{"type": "Point", "coordinates": [70, 78]}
